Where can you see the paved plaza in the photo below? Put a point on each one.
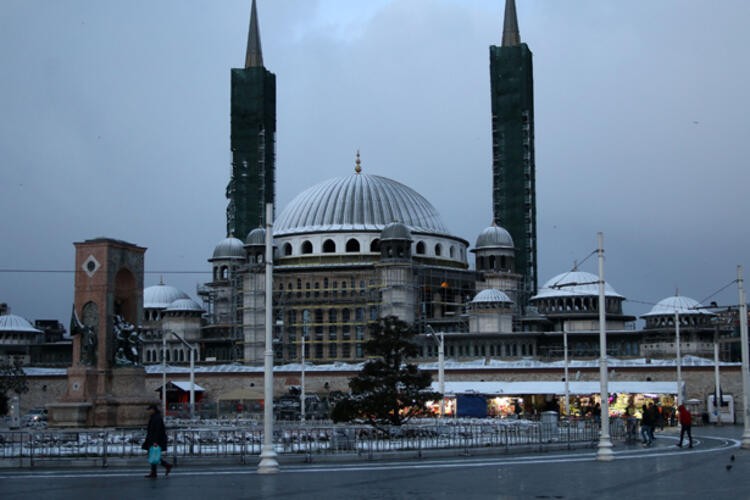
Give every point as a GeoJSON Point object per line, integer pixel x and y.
{"type": "Point", "coordinates": [662, 471]}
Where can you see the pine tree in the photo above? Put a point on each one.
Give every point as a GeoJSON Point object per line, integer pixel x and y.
{"type": "Point", "coordinates": [388, 390]}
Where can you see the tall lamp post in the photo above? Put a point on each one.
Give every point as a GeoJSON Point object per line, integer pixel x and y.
{"type": "Point", "coordinates": [604, 452]}
{"type": "Point", "coordinates": [268, 463]}
{"type": "Point", "coordinates": [305, 327]}
{"type": "Point", "coordinates": [192, 349]}
{"type": "Point", "coordinates": [565, 365]}
{"type": "Point", "coordinates": [440, 341]}
{"type": "Point", "coordinates": [743, 339]}
{"type": "Point", "coordinates": [679, 355]}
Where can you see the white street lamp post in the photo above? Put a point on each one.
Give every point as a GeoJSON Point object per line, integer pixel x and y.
{"type": "Point", "coordinates": [440, 341]}
{"type": "Point", "coordinates": [604, 452]}
{"type": "Point", "coordinates": [743, 339]}
{"type": "Point", "coordinates": [679, 356]}
{"type": "Point", "coordinates": [268, 463]}
{"type": "Point", "coordinates": [565, 364]}
{"type": "Point", "coordinates": [305, 326]}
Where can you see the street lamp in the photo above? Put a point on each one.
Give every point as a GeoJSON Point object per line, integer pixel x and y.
{"type": "Point", "coordinates": [440, 341]}
{"type": "Point", "coordinates": [192, 349]}
{"type": "Point", "coordinates": [743, 339]}
{"type": "Point", "coordinates": [604, 453]}
{"type": "Point", "coordinates": [305, 326]}
{"type": "Point", "coordinates": [678, 353]}
{"type": "Point", "coordinates": [565, 366]}
{"type": "Point", "coordinates": [268, 463]}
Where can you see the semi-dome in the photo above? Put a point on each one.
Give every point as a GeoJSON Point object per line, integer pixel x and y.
{"type": "Point", "coordinates": [491, 295]}
{"type": "Point", "coordinates": [494, 236]}
{"type": "Point", "coordinates": [161, 296]}
{"type": "Point", "coordinates": [358, 202]}
{"type": "Point", "coordinates": [230, 248]}
{"type": "Point", "coordinates": [13, 323]}
{"type": "Point", "coordinates": [680, 304]}
{"type": "Point", "coordinates": [256, 237]}
{"type": "Point", "coordinates": [574, 284]}
{"type": "Point", "coordinates": [395, 231]}
{"type": "Point", "coordinates": [184, 305]}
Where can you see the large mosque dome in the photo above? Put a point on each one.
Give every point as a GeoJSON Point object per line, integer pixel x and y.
{"type": "Point", "coordinates": [358, 202]}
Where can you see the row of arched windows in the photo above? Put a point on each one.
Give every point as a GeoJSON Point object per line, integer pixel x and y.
{"type": "Point", "coordinates": [353, 246]}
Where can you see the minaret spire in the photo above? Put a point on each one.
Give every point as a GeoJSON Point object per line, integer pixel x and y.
{"type": "Point", "coordinates": [254, 55]}
{"type": "Point", "coordinates": [511, 36]}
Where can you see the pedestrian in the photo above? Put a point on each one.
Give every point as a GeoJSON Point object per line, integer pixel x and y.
{"type": "Point", "coordinates": [686, 422]}
{"type": "Point", "coordinates": [654, 416]}
{"type": "Point", "coordinates": [156, 434]}
{"type": "Point", "coordinates": [646, 423]}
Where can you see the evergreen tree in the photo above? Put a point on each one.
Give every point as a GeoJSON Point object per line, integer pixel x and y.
{"type": "Point", "coordinates": [388, 390]}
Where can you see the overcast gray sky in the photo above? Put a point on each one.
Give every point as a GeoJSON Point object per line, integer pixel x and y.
{"type": "Point", "coordinates": [115, 122]}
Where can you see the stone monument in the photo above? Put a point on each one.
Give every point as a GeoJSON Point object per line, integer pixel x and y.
{"type": "Point", "coordinates": [106, 383]}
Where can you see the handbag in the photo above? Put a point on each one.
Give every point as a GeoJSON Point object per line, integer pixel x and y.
{"type": "Point", "coordinates": [154, 455]}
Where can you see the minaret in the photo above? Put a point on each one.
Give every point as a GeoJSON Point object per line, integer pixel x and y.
{"type": "Point", "coordinates": [513, 169]}
{"type": "Point", "coordinates": [253, 138]}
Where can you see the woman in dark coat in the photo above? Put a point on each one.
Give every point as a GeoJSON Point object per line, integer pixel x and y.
{"type": "Point", "coordinates": [156, 433]}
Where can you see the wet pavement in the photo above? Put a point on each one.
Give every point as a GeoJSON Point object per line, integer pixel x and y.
{"type": "Point", "coordinates": [660, 471]}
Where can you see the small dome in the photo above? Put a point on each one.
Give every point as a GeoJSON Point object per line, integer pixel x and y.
{"type": "Point", "coordinates": [395, 231]}
{"type": "Point", "coordinates": [161, 296]}
{"type": "Point", "coordinates": [13, 323]}
{"type": "Point", "coordinates": [494, 237]}
{"type": "Point", "coordinates": [683, 305]}
{"type": "Point", "coordinates": [256, 237]}
{"type": "Point", "coordinates": [491, 295]}
{"type": "Point", "coordinates": [184, 305]}
{"type": "Point", "coordinates": [230, 248]}
{"type": "Point", "coordinates": [574, 284]}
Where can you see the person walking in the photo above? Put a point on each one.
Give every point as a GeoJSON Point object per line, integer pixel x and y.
{"type": "Point", "coordinates": [156, 434]}
{"type": "Point", "coordinates": [686, 422]}
{"type": "Point", "coordinates": [646, 425]}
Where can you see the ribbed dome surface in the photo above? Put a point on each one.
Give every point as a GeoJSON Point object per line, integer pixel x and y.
{"type": "Point", "coordinates": [683, 305]}
{"type": "Point", "coordinates": [161, 296]}
{"type": "Point", "coordinates": [358, 202]}
{"type": "Point", "coordinates": [494, 237]}
{"type": "Point", "coordinates": [230, 248]}
{"type": "Point", "coordinates": [491, 295]}
{"type": "Point", "coordinates": [184, 305]}
{"type": "Point", "coordinates": [574, 284]}
{"type": "Point", "coordinates": [13, 323]}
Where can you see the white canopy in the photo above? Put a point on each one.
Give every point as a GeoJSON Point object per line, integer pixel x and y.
{"type": "Point", "coordinates": [555, 387]}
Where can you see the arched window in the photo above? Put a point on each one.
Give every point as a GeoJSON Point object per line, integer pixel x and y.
{"type": "Point", "coordinates": [492, 262]}
{"type": "Point", "coordinates": [287, 249]}
{"type": "Point", "coordinates": [453, 252]}
{"type": "Point", "coordinates": [420, 248]}
{"type": "Point", "coordinates": [352, 245]}
{"type": "Point", "coordinates": [329, 246]}
{"type": "Point", "coordinates": [438, 249]}
{"type": "Point", "coordinates": [224, 272]}
{"type": "Point", "coordinates": [306, 247]}
{"type": "Point", "coordinates": [375, 246]}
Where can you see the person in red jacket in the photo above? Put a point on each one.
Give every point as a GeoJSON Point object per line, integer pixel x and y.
{"type": "Point", "coordinates": [686, 421]}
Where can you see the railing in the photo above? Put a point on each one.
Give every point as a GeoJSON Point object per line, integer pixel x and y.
{"type": "Point", "coordinates": [243, 440]}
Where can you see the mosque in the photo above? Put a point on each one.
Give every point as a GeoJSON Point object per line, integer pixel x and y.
{"type": "Point", "coordinates": [349, 250]}
{"type": "Point", "coordinates": [352, 249]}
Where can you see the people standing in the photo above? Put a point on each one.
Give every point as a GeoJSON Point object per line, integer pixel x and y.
{"type": "Point", "coordinates": [646, 425]}
{"type": "Point", "coordinates": [686, 423]}
{"type": "Point", "coordinates": [156, 434]}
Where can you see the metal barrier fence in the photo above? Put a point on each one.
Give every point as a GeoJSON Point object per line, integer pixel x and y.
{"type": "Point", "coordinates": [33, 447]}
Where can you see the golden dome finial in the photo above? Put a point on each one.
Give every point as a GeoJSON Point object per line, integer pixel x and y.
{"type": "Point", "coordinates": [358, 164]}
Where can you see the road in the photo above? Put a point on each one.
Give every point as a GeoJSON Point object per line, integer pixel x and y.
{"type": "Point", "coordinates": [663, 471]}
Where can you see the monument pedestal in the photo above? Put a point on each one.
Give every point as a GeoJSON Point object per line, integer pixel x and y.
{"type": "Point", "coordinates": [102, 398]}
